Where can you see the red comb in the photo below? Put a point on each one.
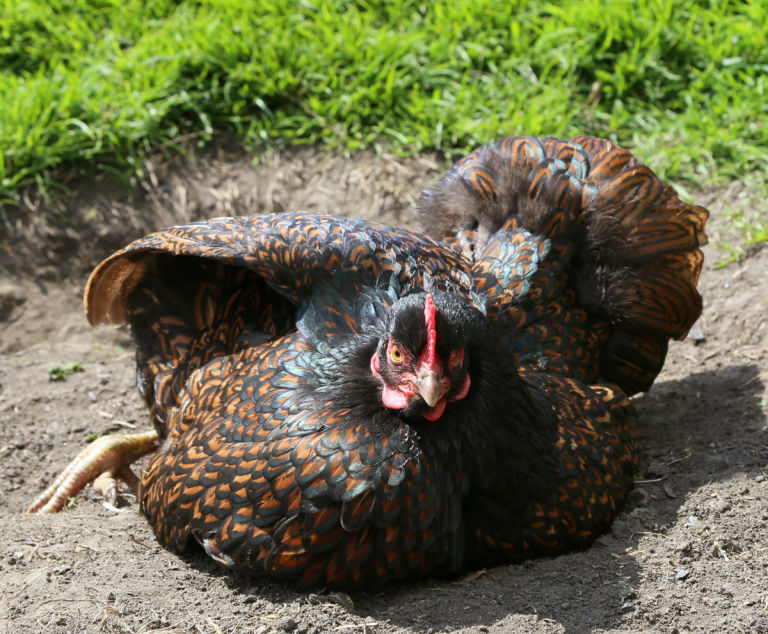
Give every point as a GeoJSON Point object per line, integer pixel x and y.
{"type": "Point", "coordinates": [429, 355]}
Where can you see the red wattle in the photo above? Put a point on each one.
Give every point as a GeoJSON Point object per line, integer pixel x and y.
{"type": "Point", "coordinates": [433, 413]}
{"type": "Point", "coordinates": [463, 391]}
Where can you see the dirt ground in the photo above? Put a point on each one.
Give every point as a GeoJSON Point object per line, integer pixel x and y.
{"type": "Point", "coordinates": [688, 554]}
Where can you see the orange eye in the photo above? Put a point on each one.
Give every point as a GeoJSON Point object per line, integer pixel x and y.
{"type": "Point", "coordinates": [395, 354]}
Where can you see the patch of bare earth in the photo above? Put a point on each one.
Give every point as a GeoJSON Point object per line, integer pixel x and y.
{"type": "Point", "coordinates": [688, 554]}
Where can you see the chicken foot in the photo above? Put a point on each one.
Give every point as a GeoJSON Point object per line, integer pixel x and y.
{"type": "Point", "coordinates": [103, 462]}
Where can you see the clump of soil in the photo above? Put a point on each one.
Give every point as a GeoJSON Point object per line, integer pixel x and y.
{"type": "Point", "coordinates": [689, 554]}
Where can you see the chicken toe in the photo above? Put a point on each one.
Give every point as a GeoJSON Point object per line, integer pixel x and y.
{"type": "Point", "coordinates": [105, 460]}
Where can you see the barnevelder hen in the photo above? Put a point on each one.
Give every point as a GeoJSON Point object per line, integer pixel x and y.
{"type": "Point", "coordinates": [342, 403]}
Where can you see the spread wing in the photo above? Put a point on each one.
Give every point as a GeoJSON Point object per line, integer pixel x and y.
{"type": "Point", "coordinates": [196, 292]}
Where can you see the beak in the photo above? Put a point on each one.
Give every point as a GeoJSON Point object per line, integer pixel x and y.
{"type": "Point", "coordinates": [431, 386]}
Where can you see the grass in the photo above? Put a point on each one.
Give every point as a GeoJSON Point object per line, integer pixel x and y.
{"type": "Point", "coordinates": [97, 84]}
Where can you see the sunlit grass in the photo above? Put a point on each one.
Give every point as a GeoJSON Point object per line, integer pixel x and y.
{"type": "Point", "coordinates": [93, 85]}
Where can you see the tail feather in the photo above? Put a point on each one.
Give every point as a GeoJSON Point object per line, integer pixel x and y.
{"type": "Point", "coordinates": [632, 358]}
{"type": "Point", "coordinates": [626, 242]}
{"type": "Point", "coordinates": [604, 158]}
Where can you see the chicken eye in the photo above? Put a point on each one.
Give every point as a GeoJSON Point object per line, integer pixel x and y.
{"type": "Point", "coordinates": [395, 354]}
{"type": "Point", "coordinates": [456, 358]}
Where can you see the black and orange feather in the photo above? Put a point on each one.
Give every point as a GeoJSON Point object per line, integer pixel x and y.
{"type": "Point", "coordinates": [562, 266]}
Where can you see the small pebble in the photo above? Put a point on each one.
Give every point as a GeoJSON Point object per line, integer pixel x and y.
{"type": "Point", "coordinates": [697, 333]}
{"type": "Point", "coordinates": [287, 624]}
{"type": "Point", "coordinates": [657, 469]}
{"type": "Point", "coordinates": [640, 497]}
{"type": "Point", "coordinates": [670, 492]}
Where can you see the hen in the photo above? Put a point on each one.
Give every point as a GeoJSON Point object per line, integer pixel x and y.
{"type": "Point", "coordinates": [340, 402]}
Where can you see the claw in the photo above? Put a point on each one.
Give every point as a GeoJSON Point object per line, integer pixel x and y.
{"type": "Point", "coordinates": [104, 461]}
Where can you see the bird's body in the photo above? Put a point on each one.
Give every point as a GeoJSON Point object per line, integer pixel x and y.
{"type": "Point", "coordinates": [340, 402]}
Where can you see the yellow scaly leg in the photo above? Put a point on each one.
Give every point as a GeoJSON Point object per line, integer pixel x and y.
{"type": "Point", "coordinates": [102, 462]}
